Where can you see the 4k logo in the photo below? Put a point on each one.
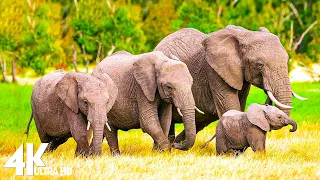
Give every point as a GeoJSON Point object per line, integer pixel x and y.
{"type": "Point", "coordinates": [16, 160]}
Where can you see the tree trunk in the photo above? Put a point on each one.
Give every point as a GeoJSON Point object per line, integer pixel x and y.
{"type": "Point", "coordinates": [75, 58]}
{"type": "Point", "coordinates": [4, 69]}
{"type": "Point", "coordinates": [85, 58]}
{"type": "Point", "coordinates": [14, 71]}
{"type": "Point", "coordinates": [84, 54]}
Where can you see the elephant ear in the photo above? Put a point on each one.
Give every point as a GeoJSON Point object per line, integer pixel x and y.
{"type": "Point", "coordinates": [112, 89]}
{"type": "Point", "coordinates": [67, 90]}
{"type": "Point", "coordinates": [263, 29]}
{"type": "Point", "coordinates": [145, 75]}
{"type": "Point", "coordinates": [257, 116]}
{"type": "Point", "coordinates": [222, 54]}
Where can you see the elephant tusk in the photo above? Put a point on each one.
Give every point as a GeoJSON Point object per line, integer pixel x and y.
{"type": "Point", "coordinates": [201, 112]}
{"type": "Point", "coordinates": [298, 97]}
{"type": "Point", "coordinates": [108, 126]}
{"type": "Point", "coordinates": [88, 126]}
{"type": "Point", "coordinates": [179, 112]}
{"type": "Point", "coordinates": [276, 102]}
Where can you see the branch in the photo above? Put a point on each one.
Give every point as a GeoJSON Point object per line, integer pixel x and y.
{"type": "Point", "coordinates": [113, 47]}
{"type": "Point", "coordinates": [291, 35]}
{"type": "Point", "coordinates": [74, 58]}
{"type": "Point", "coordinates": [11, 53]}
{"type": "Point", "coordinates": [296, 13]}
{"type": "Point", "coordinates": [302, 36]}
{"type": "Point", "coordinates": [311, 71]}
{"type": "Point", "coordinates": [99, 51]}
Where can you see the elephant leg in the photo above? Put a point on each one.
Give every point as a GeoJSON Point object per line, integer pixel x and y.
{"type": "Point", "coordinates": [221, 140]}
{"type": "Point", "coordinates": [155, 131]}
{"type": "Point", "coordinates": [149, 119]}
{"type": "Point", "coordinates": [165, 117]}
{"type": "Point", "coordinates": [82, 145]}
{"type": "Point", "coordinates": [172, 134]}
{"type": "Point", "coordinates": [153, 128]}
{"type": "Point", "coordinates": [257, 140]}
{"type": "Point", "coordinates": [181, 136]}
{"type": "Point", "coordinates": [55, 143]}
{"type": "Point", "coordinates": [171, 137]}
{"type": "Point", "coordinates": [79, 133]}
{"type": "Point", "coordinates": [112, 138]}
{"type": "Point", "coordinates": [225, 97]}
{"type": "Point", "coordinates": [243, 95]}
{"type": "Point", "coordinates": [44, 137]}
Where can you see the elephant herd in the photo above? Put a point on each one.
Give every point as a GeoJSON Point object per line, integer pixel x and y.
{"type": "Point", "coordinates": [190, 77]}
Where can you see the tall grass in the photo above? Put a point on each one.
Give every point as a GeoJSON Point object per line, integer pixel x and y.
{"type": "Point", "coordinates": [288, 154]}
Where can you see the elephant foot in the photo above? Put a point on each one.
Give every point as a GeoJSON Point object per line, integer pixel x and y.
{"type": "Point", "coordinates": [49, 148]}
{"type": "Point", "coordinates": [94, 153]}
{"type": "Point", "coordinates": [55, 143]}
{"type": "Point", "coordinates": [82, 154]}
{"type": "Point", "coordinates": [164, 146]}
{"type": "Point", "coordinates": [115, 152]}
{"type": "Point", "coordinates": [179, 138]}
{"type": "Point", "coordinates": [179, 146]}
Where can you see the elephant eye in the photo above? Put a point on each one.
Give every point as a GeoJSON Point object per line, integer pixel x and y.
{"type": "Point", "coordinates": [168, 86]}
{"type": "Point", "coordinates": [279, 117]}
{"type": "Point", "coordinates": [85, 102]}
{"type": "Point", "coordinates": [260, 64]}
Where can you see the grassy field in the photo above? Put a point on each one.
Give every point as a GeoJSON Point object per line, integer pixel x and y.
{"type": "Point", "coordinates": [289, 155]}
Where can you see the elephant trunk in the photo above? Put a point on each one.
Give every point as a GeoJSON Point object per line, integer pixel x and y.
{"type": "Point", "coordinates": [97, 119]}
{"type": "Point", "coordinates": [97, 139]}
{"type": "Point", "coordinates": [293, 124]}
{"type": "Point", "coordinates": [277, 84]}
{"type": "Point", "coordinates": [283, 93]}
{"type": "Point", "coordinates": [188, 120]}
{"type": "Point", "coordinates": [187, 111]}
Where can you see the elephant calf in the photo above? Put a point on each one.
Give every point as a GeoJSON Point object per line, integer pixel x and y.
{"type": "Point", "coordinates": [238, 130]}
{"type": "Point", "coordinates": [65, 104]}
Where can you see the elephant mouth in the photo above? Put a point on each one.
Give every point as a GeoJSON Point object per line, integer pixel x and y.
{"type": "Point", "coordinates": [168, 100]}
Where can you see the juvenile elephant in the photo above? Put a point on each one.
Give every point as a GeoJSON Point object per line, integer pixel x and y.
{"type": "Point", "coordinates": [148, 86]}
{"type": "Point", "coordinates": [225, 63]}
{"type": "Point", "coordinates": [237, 130]}
{"type": "Point", "coordinates": [64, 104]}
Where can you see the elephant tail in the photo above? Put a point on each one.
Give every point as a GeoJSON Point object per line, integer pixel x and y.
{"type": "Point", "coordinates": [204, 145]}
{"type": "Point", "coordinates": [27, 130]}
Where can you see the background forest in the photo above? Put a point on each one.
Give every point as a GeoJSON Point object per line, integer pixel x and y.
{"type": "Point", "coordinates": [39, 35]}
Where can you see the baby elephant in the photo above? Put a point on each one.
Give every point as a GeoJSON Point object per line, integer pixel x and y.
{"type": "Point", "coordinates": [65, 104]}
{"type": "Point", "coordinates": [238, 130]}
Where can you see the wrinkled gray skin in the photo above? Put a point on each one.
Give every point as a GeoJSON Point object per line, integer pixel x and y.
{"type": "Point", "coordinates": [236, 130]}
{"type": "Point", "coordinates": [148, 86]}
{"type": "Point", "coordinates": [224, 64]}
{"type": "Point", "coordinates": [63, 103]}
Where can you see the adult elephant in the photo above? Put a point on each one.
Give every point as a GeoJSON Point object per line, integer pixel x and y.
{"type": "Point", "coordinates": [148, 86]}
{"type": "Point", "coordinates": [225, 63]}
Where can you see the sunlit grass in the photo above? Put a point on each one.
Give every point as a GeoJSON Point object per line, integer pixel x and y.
{"type": "Point", "coordinates": [289, 155]}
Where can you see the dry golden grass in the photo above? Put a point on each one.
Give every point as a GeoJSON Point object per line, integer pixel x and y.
{"type": "Point", "coordinates": [289, 155]}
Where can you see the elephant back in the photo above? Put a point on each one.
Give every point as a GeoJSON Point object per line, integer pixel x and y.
{"type": "Point", "coordinates": [183, 44]}
{"type": "Point", "coordinates": [234, 127]}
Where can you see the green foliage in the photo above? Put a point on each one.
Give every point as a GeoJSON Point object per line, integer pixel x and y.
{"type": "Point", "coordinates": [197, 14]}
{"type": "Point", "coordinates": [39, 33]}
